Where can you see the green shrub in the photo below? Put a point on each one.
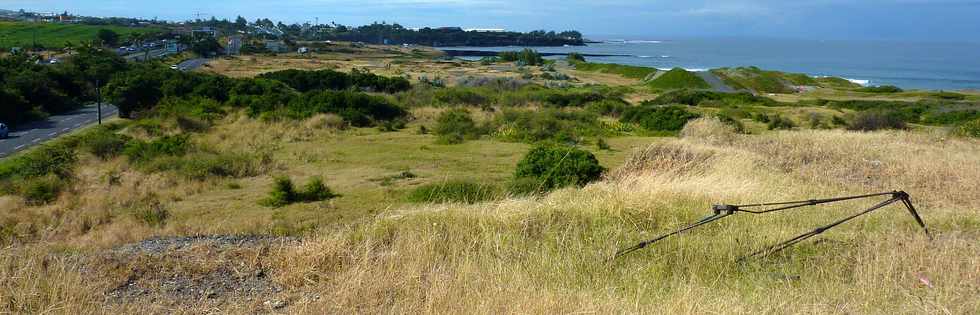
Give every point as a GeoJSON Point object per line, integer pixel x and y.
{"type": "Point", "coordinates": [711, 99]}
{"type": "Point", "coordinates": [575, 57]}
{"type": "Point", "coordinates": [678, 78]}
{"type": "Point", "coordinates": [359, 109]}
{"type": "Point", "coordinates": [876, 120]}
{"type": "Point", "coordinates": [42, 190]}
{"type": "Point", "coordinates": [953, 117]}
{"type": "Point", "coordinates": [557, 166]}
{"type": "Point", "coordinates": [526, 57]}
{"type": "Point", "coordinates": [733, 122]}
{"type": "Point", "coordinates": [103, 143]}
{"type": "Point", "coordinates": [455, 126]}
{"type": "Point", "coordinates": [547, 124]}
{"type": "Point", "coordinates": [461, 96]}
{"type": "Point", "coordinates": [613, 108]}
{"type": "Point", "coordinates": [778, 122]}
{"type": "Point", "coordinates": [152, 214]}
{"type": "Point", "coordinates": [284, 192]}
{"type": "Point", "coordinates": [970, 129]}
{"type": "Point", "coordinates": [316, 190]}
{"type": "Point", "coordinates": [57, 159]}
{"type": "Point", "coordinates": [881, 89]}
{"type": "Point", "coordinates": [659, 118]}
{"type": "Point", "coordinates": [143, 151]}
{"type": "Point", "coordinates": [458, 191]}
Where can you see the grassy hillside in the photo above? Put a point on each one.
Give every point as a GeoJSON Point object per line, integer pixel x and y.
{"type": "Point", "coordinates": [632, 72]}
{"type": "Point", "coordinates": [764, 81]}
{"type": "Point", "coordinates": [171, 212]}
{"type": "Point", "coordinates": [52, 35]}
{"type": "Point", "coordinates": [678, 78]}
{"type": "Point", "coordinates": [539, 255]}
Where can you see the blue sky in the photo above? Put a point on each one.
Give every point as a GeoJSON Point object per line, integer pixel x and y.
{"type": "Point", "coordinates": [939, 20]}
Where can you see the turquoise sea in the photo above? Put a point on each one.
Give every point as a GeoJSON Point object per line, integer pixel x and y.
{"type": "Point", "coordinates": [910, 65]}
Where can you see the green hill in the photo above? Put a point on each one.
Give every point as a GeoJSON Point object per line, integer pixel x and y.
{"type": "Point", "coordinates": [765, 81]}
{"type": "Point", "coordinates": [678, 78]}
{"type": "Point", "coordinates": [54, 35]}
{"type": "Point", "coordinates": [632, 72]}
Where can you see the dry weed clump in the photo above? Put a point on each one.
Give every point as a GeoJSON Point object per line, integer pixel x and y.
{"type": "Point", "coordinates": [708, 130]}
{"type": "Point", "coordinates": [672, 158]}
{"type": "Point", "coordinates": [325, 121]}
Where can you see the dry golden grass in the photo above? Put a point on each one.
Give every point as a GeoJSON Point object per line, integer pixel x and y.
{"type": "Point", "coordinates": [548, 255]}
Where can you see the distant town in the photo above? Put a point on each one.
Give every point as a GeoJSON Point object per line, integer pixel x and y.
{"type": "Point", "coordinates": [146, 38]}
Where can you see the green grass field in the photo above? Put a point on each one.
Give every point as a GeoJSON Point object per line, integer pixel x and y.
{"type": "Point", "coordinates": [52, 35]}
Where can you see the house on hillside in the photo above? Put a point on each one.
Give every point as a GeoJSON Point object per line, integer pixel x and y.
{"type": "Point", "coordinates": [234, 45]}
{"type": "Point", "coordinates": [205, 31]}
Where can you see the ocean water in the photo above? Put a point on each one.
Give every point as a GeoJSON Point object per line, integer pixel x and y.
{"type": "Point", "coordinates": [909, 65]}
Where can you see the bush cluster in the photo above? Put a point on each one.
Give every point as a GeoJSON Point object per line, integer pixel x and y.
{"type": "Point", "coordinates": [658, 118]}
{"type": "Point", "coordinates": [456, 125]}
{"type": "Point", "coordinates": [881, 89]}
{"type": "Point", "coordinates": [293, 94]}
{"type": "Point", "coordinates": [284, 193]}
{"type": "Point", "coordinates": [548, 167]}
{"type": "Point", "coordinates": [711, 99]}
{"type": "Point", "coordinates": [547, 125]}
{"type": "Point", "coordinates": [874, 120]}
{"type": "Point", "coordinates": [526, 57]}
{"type": "Point", "coordinates": [140, 151]}
{"type": "Point", "coordinates": [305, 81]}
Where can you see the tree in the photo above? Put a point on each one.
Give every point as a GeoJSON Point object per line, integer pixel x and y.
{"type": "Point", "coordinates": [108, 37]}
{"type": "Point", "coordinates": [206, 47]}
{"type": "Point", "coordinates": [241, 23]}
{"type": "Point", "coordinates": [134, 91]}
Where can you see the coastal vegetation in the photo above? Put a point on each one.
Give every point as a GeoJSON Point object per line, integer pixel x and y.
{"type": "Point", "coordinates": [678, 78]}
{"type": "Point", "coordinates": [764, 81]}
{"type": "Point", "coordinates": [633, 72]}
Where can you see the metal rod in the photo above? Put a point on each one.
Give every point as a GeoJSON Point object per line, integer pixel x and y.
{"type": "Point", "coordinates": [641, 245]}
{"type": "Point", "coordinates": [778, 247]}
{"type": "Point", "coordinates": [722, 211]}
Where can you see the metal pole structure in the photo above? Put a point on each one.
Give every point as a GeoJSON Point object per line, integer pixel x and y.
{"type": "Point", "coordinates": [98, 99]}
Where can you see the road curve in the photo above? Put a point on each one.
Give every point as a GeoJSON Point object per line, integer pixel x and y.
{"type": "Point", "coordinates": [34, 133]}
{"type": "Point", "coordinates": [716, 83]}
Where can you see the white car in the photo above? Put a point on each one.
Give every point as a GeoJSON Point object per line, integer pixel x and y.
{"type": "Point", "coordinates": [174, 67]}
{"type": "Point", "coordinates": [4, 132]}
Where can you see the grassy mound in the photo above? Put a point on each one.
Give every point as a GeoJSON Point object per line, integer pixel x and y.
{"type": "Point", "coordinates": [765, 81]}
{"type": "Point", "coordinates": [632, 72]}
{"type": "Point", "coordinates": [678, 78]}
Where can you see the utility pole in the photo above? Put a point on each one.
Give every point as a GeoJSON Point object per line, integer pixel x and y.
{"type": "Point", "coordinates": [98, 98]}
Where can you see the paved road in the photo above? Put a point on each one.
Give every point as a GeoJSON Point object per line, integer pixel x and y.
{"type": "Point", "coordinates": [716, 83]}
{"type": "Point", "coordinates": [138, 56]}
{"type": "Point", "coordinates": [31, 134]}
{"type": "Point", "coordinates": [191, 64]}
